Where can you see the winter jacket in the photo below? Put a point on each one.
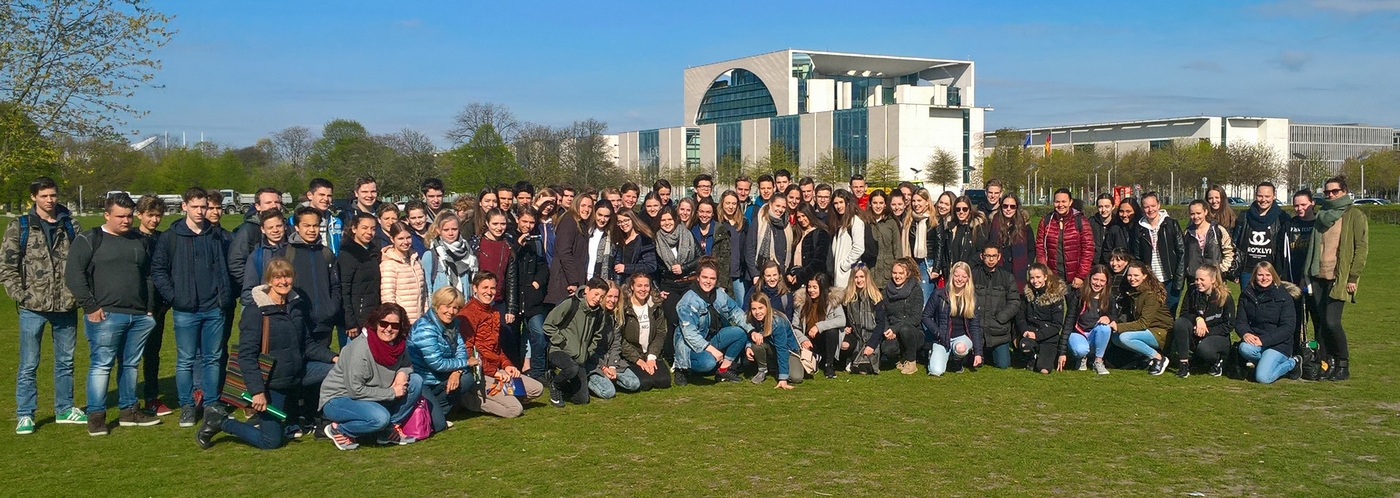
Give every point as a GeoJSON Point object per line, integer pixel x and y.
{"type": "Point", "coordinates": [1016, 257]}
{"type": "Point", "coordinates": [1269, 313]}
{"type": "Point", "coordinates": [359, 281]}
{"type": "Point", "coordinates": [1352, 249]}
{"type": "Point", "coordinates": [532, 279]}
{"type": "Point", "coordinates": [191, 269]}
{"type": "Point", "coordinates": [436, 350]}
{"type": "Point", "coordinates": [963, 243]}
{"type": "Point", "coordinates": [1218, 250]}
{"type": "Point", "coordinates": [729, 253]}
{"type": "Point", "coordinates": [906, 313]}
{"type": "Point", "coordinates": [576, 329]}
{"type": "Point", "coordinates": [834, 319]}
{"type": "Point", "coordinates": [1100, 228]}
{"type": "Point", "coordinates": [359, 377]}
{"type": "Point", "coordinates": [36, 282]}
{"type": "Point", "coordinates": [847, 245]}
{"type": "Point", "coordinates": [255, 262]}
{"type": "Point", "coordinates": [288, 341]}
{"type": "Point", "coordinates": [1118, 234]}
{"type": "Point", "coordinates": [481, 331]}
{"type": "Point", "coordinates": [630, 330]}
{"type": "Point", "coordinates": [1078, 246]}
{"type": "Point", "coordinates": [318, 279]}
{"type": "Point", "coordinates": [570, 258]}
{"type": "Point", "coordinates": [401, 281]}
{"type": "Point", "coordinates": [246, 237]}
{"type": "Point", "coordinates": [887, 243]}
{"type": "Point", "coordinates": [998, 304]}
{"type": "Point", "coordinates": [936, 319]}
{"type": "Point", "coordinates": [781, 242]}
{"type": "Point", "coordinates": [637, 256]}
{"type": "Point", "coordinates": [816, 248]}
{"type": "Point", "coordinates": [1260, 237]}
{"type": "Point", "coordinates": [1169, 247]}
{"type": "Point", "coordinates": [1146, 310]}
{"type": "Point", "coordinates": [1220, 319]}
{"type": "Point", "coordinates": [1045, 314]}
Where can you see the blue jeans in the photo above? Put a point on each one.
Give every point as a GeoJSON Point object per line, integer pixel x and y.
{"type": "Point", "coordinates": [362, 418]}
{"type": "Point", "coordinates": [537, 346]}
{"type": "Point", "coordinates": [1000, 356]}
{"type": "Point", "coordinates": [729, 340]}
{"type": "Point", "coordinates": [441, 401]}
{"type": "Point", "coordinates": [923, 279]}
{"type": "Point", "coordinates": [740, 291]}
{"type": "Point", "coordinates": [938, 356]}
{"type": "Point", "coordinates": [121, 337]}
{"type": "Point", "coordinates": [264, 431]}
{"type": "Point", "coordinates": [603, 388]}
{"type": "Point", "coordinates": [31, 334]}
{"type": "Point", "coordinates": [198, 333]}
{"type": "Point", "coordinates": [1098, 337]}
{"type": "Point", "coordinates": [1269, 364]}
{"type": "Point", "coordinates": [1138, 341]}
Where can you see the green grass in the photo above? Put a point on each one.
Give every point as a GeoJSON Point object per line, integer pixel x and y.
{"type": "Point", "coordinates": [988, 433]}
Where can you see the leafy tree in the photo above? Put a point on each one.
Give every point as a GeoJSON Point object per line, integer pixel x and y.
{"type": "Point", "coordinates": [482, 161]}
{"type": "Point", "coordinates": [831, 168]}
{"type": "Point", "coordinates": [24, 154]}
{"type": "Point", "coordinates": [1008, 162]}
{"type": "Point", "coordinates": [1307, 172]}
{"type": "Point", "coordinates": [881, 172]}
{"type": "Point", "coordinates": [942, 168]}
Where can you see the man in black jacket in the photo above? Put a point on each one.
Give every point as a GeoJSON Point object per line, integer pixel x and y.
{"type": "Point", "coordinates": [998, 303]}
{"type": "Point", "coordinates": [1159, 244]}
{"type": "Point", "coordinates": [247, 235]}
{"type": "Point", "coordinates": [1261, 236]}
{"type": "Point", "coordinates": [532, 277]}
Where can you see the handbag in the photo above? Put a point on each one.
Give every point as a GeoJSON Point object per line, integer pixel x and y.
{"type": "Point", "coordinates": [235, 391]}
{"type": "Point", "coordinates": [420, 423]}
{"type": "Point", "coordinates": [809, 361]}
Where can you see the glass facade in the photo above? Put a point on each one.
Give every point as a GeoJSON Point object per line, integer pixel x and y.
{"type": "Point", "coordinates": [784, 130]}
{"type": "Point", "coordinates": [967, 146]}
{"type": "Point", "coordinates": [649, 151]}
{"type": "Point", "coordinates": [1336, 143]}
{"type": "Point", "coordinates": [729, 142]}
{"type": "Point", "coordinates": [954, 96]}
{"type": "Point", "coordinates": [692, 148]}
{"type": "Point", "coordinates": [734, 96]}
{"type": "Point", "coordinates": [850, 132]}
{"type": "Point", "coordinates": [801, 69]}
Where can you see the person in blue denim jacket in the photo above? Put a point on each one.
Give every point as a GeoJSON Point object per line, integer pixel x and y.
{"type": "Point", "coordinates": [713, 329]}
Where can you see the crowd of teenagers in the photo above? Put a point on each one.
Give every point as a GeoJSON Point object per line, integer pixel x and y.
{"type": "Point", "coordinates": [485, 303]}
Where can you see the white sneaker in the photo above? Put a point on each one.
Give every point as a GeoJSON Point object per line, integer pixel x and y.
{"type": "Point", "coordinates": [1100, 368]}
{"type": "Point", "coordinates": [1083, 363]}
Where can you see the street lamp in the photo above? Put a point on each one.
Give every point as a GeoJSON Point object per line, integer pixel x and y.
{"type": "Point", "coordinates": [1362, 160]}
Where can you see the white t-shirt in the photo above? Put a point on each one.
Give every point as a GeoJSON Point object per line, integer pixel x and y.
{"type": "Point", "coordinates": [597, 238]}
{"type": "Point", "coordinates": [643, 327]}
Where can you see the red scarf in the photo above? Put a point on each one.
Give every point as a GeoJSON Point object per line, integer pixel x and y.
{"type": "Point", "coordinates": [386, 354]}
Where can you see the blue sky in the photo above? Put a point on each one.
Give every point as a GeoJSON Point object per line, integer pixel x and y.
{"type": "Point", "coordinates": [238, 71]}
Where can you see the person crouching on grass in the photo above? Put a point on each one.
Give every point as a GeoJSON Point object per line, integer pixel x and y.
{"type": "Point", "coordinates": [1145, 324]}
{"type": "Point", "coordinates": [1042, 327]}
{"type": "Point", "coordinates": [1266, 322]}
{"type": "Point", "coordinates": [773, 343]}
{"type": "Point", "coordinates": [372, 388]}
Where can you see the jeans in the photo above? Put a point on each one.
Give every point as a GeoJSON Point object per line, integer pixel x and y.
{"type": "Point", "coordinates": [924, 282]}
{"type": "Point", "coordinates": [1173, 294]}
{"type": "Point", "coordinates": [938, 356]}
{"type": "Point", "coordinates": [1097, 336]}
{"type": "Point", "coordinates": [729, 340]}
{"type": "Point", "coordinates": [357, 418]}
{"type": "Point", "coordinates": [602, 387]}
{"type": "Point", "coordinates": [150, 355]}
{"type": "Point", "coordinates": [571, 379]}
{"type": "Point", "coordinates": [198, 333]}
{"type": "Point", "coordinates": [1269, 364]}
{"type": "Point", "coordinates": [537, 346]}
{"type": "Point", "coordinates": [1138, 341]}
{"type": "Point", "coordinates": [740, 290]}
{"type": "Point", "coordinates": [265, 431]}
{"type": "Point", "coordinates": [1000, 355]}
{"type": "Point", "coordinates": [64, 325]}
{"type": "Point", "coordinates": [441, 401]}
{"type": "Point", "coordinates": [121, 337]}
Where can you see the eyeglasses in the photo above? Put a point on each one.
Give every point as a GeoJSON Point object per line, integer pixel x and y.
{"type": "Point", "coordinates": [384, 324]}
{"type": "Point", "coordinates": [962, 209]}
{"type": "Point", "coordinates": [1333, 191]}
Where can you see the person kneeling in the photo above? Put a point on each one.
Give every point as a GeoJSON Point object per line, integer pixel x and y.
{"type": "Point", "coordinates": [613, 372]}
{"type": "Point", "coordinates": [713, 329]}
{"type": "Point", "coordinates": [642, 326]}
{"type": "Point", "coordinates": [1266, 321]}
{"type": "Point", "coordinates": [772, 343]}
{"type": "Point", "coordinates": [1205, 323]}
{"type": "Point", "coordinates": [575, 329]}
{"type": "Point", "coordinates": [372, 389]}
{"type": "Point", "coordinates": [951, 315]}
{"type": "Point", "coordinates": [1043, 339]}
{"type": "Point", "coordinates": [439, 355]}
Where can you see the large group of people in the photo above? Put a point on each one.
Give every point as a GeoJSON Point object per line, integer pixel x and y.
{"type": "Point", "coordinates": [367, 320]}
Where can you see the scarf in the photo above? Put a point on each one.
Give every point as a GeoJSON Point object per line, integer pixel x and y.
{"type": "Point", "coordinates": [673, 249]}
{"type": "Point", "coordinates": [1261, 221]}
{"type": "Point", "coordinates": [862, 313]}
{"type": "Point", "coordinates": [901, 292]}
{"type": "Point", "coordinates": [765, 238]}
{"type": "Point", "coordinates": [1328, 212]}
{"type": "Point", "coordinates": [457, 257]}
{"type": "Point", "coordinates": [707, 297]}
{"type": "Point", "coordinates": [386, 354]}
{"type": "Point", "coordinates": [919, 225]}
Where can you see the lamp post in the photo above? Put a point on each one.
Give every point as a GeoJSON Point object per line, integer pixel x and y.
{"type": "Point", "coordinates": [1362, 160]}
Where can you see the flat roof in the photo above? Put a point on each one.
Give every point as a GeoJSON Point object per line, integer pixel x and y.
{"type": "Point", "coordinates": [1182, 119]}
{"type": "Point", "coordinates": [830, 62]}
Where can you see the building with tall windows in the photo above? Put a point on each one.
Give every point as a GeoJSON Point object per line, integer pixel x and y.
{"type": "Point", "coordinates": [815, 103]}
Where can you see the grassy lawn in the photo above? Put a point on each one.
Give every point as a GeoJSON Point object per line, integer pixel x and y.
{"type": "Point", "coordinates": [986, 433]}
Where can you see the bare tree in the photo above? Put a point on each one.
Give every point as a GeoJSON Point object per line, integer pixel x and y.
{"type": "Point", "coordinates": [475, 114]}
{"type": "Point", "coordinates": [293, 146]}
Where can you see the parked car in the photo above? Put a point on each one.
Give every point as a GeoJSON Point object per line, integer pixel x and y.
{"type": "Point", "coordinates": [1236, 201]}
{"type": "Point", "coordinates": [1371, 201]}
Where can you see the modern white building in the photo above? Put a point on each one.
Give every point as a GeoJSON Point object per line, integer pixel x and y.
{"type": "Point", "coordinates": [1126, 136]}
{"type": "Point", "coordinates": [1335, 143]}
{"type": "Point", "coordinates": [816, 102]}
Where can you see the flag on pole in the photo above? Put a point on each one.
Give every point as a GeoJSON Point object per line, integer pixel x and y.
{"type": "Point", "coordinates": [1047, 143]}
{"type": "Point", "coordinates": [1027, 143]}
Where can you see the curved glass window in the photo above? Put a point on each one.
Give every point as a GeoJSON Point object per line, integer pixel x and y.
{"type": "Point", "coordinates": [734, 96]}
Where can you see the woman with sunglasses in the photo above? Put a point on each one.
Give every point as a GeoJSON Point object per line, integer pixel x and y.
{"type": "Point", "coordinates": [1011, 232]}
{"type": "Point", "coordinates": [966, 234]}
{"type": "Point", "coordinates": [372, 388]}
{"type": "Point", "coordinates": [439, 355]}
{"type": "Point", "coordinates": [886, 231]}
{"type": "Point", "coordinates": [1119, 234]}
{"type": "Point", "coordinates": [847, 236]}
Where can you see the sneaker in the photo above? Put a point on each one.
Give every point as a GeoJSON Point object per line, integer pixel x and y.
{"type": "Point", "coordinates": [157, 408]}
{"type": "Point", "coordinates": [71, 416]}
{"type": "Point", "coordinates": [25, 425]}
{"type": "Point", "coordinates": [909, 368]}
{"type": "Point", "coordinates": [1083, 363]}
{"type": "Point", "coordinates": [957, 367]}
{"type": "Point", "coordinates": [449, 424]}
{"type": "Point", "coordinates": [341, 441]}
{"type": "Point", "coordinates": [97, 424]}
{"type": "Point", "coordinates": [188, 416]}
{"type": "Point", "coordinates": [728, 376]}
{"type": "Point", "coordinates": [1157, 366]}
{"type": "Point", "coordinates": [133, 417]}
{"type": "Point", "coordinates": [293, 431]}
{"type": "Point", "coordinates": [1100, 368]}
{"type": "Point", "coordinates": [1297, 371]}
{"type": "Point", "coordinates": [1218, 368]}
{"type": "Point", "coordinates": [214, 416]}
{"type": "Point", "coordinates": [682, 377]}
{"type": "Point", "coordinates": [556, 397]}
{"type": "Point", "coordinates": [394, 435]}
{"type": "Point", "coordinates": [1183, 370]}
{"type": "Point", "coordinates": [760, 376]}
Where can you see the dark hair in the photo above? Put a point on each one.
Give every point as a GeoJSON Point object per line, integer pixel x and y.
{"type": "Point", "coordinates": [1103, 196]}
{"type": "Point", "coordinates": [42, 183]}
{"type": "Point", "coordinates": [1063, 190]}
{"type": "Point", "coordinates": [431, 184]}
{"type": "Point", "coordinates": [386, 207]}
{"type": "Point", "coordinates": [1303, 192]}
{"type": "Point", "coordinates": [526, 210]}
{"type": "Point", "coordinates": [482, 276]}
{"type": "Point", "coordinates": [1086, 292]}
{"type": "Point", "coordinates": [702, 177]}
{"type": "Point", "coordinates": [741, 178]}
{"type": "Point", "coordinates": [630, 187]}
{"type": "Point", "coordinates": [1340, 180]}
{"type": "Point", "coordinates": [815, 310]}
{"type": "Point", "coordinates": [597, 283]}
{"type": "Point", "coordinates": [991, 245]}
{"type": "Point", "coordinates": [121, 199]}
{"type": "Point", "coordinates": [397, 228]}
{"type": "Point", "coordinates": [1121, 253]}
{"type": "Point", "coordinates": [823, 186]}
{"type": "Point", "coordinates": [857, 176]}
{"type": "Point", "coordinates": [992, 183]}
{"type": "Point", "coordinates": [378, 313]}
{"type": "Point", "coordinates": [150, 203]}
{"type": "Point", "coordinates": [811, 215]}
{"type": "Point", "coordinates": [361, 216]}
{"type": "Point", "coordinates": [807, 180]}
{"type": "Point", "coordinates": [415, 204]}
{"type": "Point", "coordinates": [271, 214]}
{"type": "Point", "coordinates": [783, 173]}
{"type": "Point", "coordinates": [707, 262]}
{"type": "Point", "coordinates": [765, 178]}
{"type": "Point", "coordinates": [525, 186]}
{"type": "Point", "coordinates": [193, 193]}
{"type": "Point", "coordinates": [1199, 202]}
{"type": "Point", "coordinates": [1152, 194]}
{"type": "Point", "coordinates": [661, 183]}
{"type": "Point", "coordinates": [319, 183]}
{"type": "Point", "coordinates": [1266, 184]}
{"type": "Point", "coordinates": [305, 210]}
{"type": "Point", "coordinates": [359, 182]}
{"type": "Point", "coordinates": [274, 191]}
{"type": "Point", "coordinates": [216, 197]}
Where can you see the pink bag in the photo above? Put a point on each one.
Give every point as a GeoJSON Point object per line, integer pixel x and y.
{"type": "Point", "coordinates": [420, 423]}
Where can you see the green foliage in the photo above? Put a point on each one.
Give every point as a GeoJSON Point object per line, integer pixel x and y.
{"type": "Point", "coordinates": [831, 168]}
{"type": "Point", "coordinates": [24, 155]}
{"type": "Point", "coordinates": [778, 157]}
{"type": "Point", "coordinates": [1008, 162]}
{"type": "Point", "coordinates": [881, 172]}
{"type": "Point", "coordinates": [942, 169]}
{"type": "Point", "coordinates": [1381, 171]}
{"type": "Point", "coordinates": [483, 161]}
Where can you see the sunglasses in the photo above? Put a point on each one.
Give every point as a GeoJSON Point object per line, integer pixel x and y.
{"type": "Point", "coordinates": [1009, 206]}
{"type": "Point", "coordinates": [384, 324]}
{"type": "Point", "coordinates": [962, 209]}
{"type": "Point", "coordinates": [1333, 191]}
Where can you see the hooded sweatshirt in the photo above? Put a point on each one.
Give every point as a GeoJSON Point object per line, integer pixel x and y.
{"type": "Point", "coordinates": [191, 269]}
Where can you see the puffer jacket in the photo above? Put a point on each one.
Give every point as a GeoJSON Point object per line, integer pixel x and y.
{"type": "Point", "coordinates": [401, 281]}
{"type": "Point", "coordinates": [1170, 247]}
{"type": "Point", "coordinates": [835, 316]}
{"type": "Point", "coordinates": [936, 319]}
{"type": "Point", "coordinates": [904, 309]}
{"type": "Point", "coordinates": [436, 350]}
{"type": "Point", "coordinates": [1269, 313]}
{"type": "Point", "coordinates": [1078, 248]}
{"type": "Point", "coordinates": [630, 330]}
{"type": "Point", "coordinates": [581, 334]}
{"type": "Point", "coordinates": [288, 336]}
{"type": "Point", "coordinates": [1045, 314]}
{"type": "Point", "coordinates": [1219, 250]}
{"type": "Point", "coordinates": [1220, 319]}
{"type": "Point", "coordinates": [359, 280]}
{"type": "Point", "coordinates": [36, 283]}
{"type": "Point", "coordinates": [532, 279]}
{"type": "Point", "coordinates": [637, 256]}
{"type": "Point", "coordinates": [998, 304]}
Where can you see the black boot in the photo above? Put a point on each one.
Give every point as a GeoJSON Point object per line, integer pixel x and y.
{"type": "Point", "coordinates": [1340, 371]}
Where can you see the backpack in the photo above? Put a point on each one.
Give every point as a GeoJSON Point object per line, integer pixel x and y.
{"type": "Point", "coordinates": [66, 224]}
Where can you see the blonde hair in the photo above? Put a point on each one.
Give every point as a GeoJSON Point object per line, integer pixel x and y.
{"type": "Point", "coordinates": [448, 296]}
{"type": "Point", "coordinates": [435, 229]}
{"type": "Point", "coordinates": [962, 302]}
{"type": "Point", "coordinates": [852, 293]}
{"type": "Point", "coordinates": [1220, 291]}
{"type": "Point", "coordinates": [277, 268]}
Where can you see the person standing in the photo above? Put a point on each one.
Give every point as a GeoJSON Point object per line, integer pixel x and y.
{"type": "Point", "coordinates": [249, 234]}
{"type": "Point", "coordinates": [150, 210]}
{"type": "Point", "coordinates": [433, 193]}
{"type": "Point", "coordinates": [317, 276]}
{"type": "Point", "coordinates": [358, 264]}
{"type": "Point", "coordinates": [1158, 243]}
{"type": "Point", "coordinates": [319, 195]}
{"type": "Point", "coordinates": [190, 270]}
{"type": "Point", "coordinates": [1260, 236]}
{"type": "Point", "coordinates": [858, 189]}
{"type": "Point", "coordinates": [1337, 253]}
{"type": "Point", "coordinates": [1299, 241]}
{"type": "Point", "coordinates": [1065, 243]}
{"type": "Point", "coordinates": [36, 250]}
{"type": "Point", "coordinates": [994, 191]}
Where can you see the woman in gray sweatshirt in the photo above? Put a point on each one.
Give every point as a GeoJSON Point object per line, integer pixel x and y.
{"type": "Point", "coordinates": [372, 389]}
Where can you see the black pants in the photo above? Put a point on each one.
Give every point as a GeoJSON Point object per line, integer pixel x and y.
{"type": "Point", "coordinates": [659, 380]}
{"type": "Point", "coordinates": [1327, 315]}
{"type": "Point", "coordinates": [828, 344]}
{"type": "Point", "coordinates": [571, 378]}
{"type": "Point", "coordinates": [675, 291]}
{"type": "Point", "coordinates": [1210, 348]}
{"type": "Point", "coordinates": [766, 357]}
{"type": "Point", "coordinates": [905, 346]}
{"type": "Point", "coordinates": [1046, 352]}
{"type": "Point", "coordinates": [150, 357]}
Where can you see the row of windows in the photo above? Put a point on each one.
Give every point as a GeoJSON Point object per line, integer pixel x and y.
{"type": "Point", "coordinates": [729, 142]}
{"type": "Point", "coordinates": [785, 130]}
{"type": "Point", "coordinates": [850, 132]}
{"type": "Point", "coordinates": [1339, 134]}
{"type": "Point", "coordinates": [737, 95]}
{"type": "Point", "coordinates": [649, 150]}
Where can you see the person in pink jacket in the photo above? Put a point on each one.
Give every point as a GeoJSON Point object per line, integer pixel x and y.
{"type": "Point", "coordinates": [400, 273]}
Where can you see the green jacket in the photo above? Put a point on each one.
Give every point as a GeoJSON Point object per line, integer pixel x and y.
{"type": "Point", "coordinates": [1149, 313]}
{"type": "Point", "coordinates": [35, 281]}
{"type": "Point", "coordinates": [1351, 251]}
{"type": "Point", "coordinates": [576, 329]}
